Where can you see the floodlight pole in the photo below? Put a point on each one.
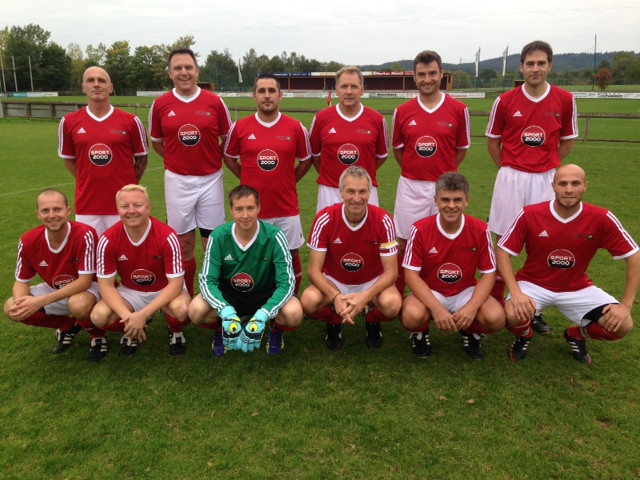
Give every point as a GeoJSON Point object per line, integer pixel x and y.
{"type": "Point", "coordinates": [30, 73]}
{"type": "Point", "coordinates": [15, 77]}
{"type": "Point", "coordinates": [4, 82]}
{"type": "Point", "coordinates": [593, 78]}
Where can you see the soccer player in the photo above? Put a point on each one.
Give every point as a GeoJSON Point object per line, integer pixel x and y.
{"type": "Point", "coordinates": [145, 253]}
{"type": "Point", "coordinates": [347, 134]}
{"type": "Point", "coordinates": [62, 253]}
{"type": "Point", "coordinates": [561, 236]}
{"type": "Point", "coordinates": [267, 145]}
{"type": "Point", "coordinates": [444, 252]}
{"type": "Point", "coordinates": [352, 263]}
{"type": "Point", "coordinates": [431, 135]}
{"type": "Point", "coordinates": [104, 148]}
{"type": "Point", "coordinates": [531, 129]}
{"type": "Point", "coordinates": [186, 126]}
{"type": "Point", "coordinates": [247, 272]}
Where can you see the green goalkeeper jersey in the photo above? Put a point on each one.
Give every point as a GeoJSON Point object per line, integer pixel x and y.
{"type": "Point", "coordinates": [262, 265]}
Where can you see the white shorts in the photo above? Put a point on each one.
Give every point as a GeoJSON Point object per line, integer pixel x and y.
{"type": "Point", "coordinates": [328, 196]}
{"type": "Point", "coordinates": [347, 289]}
{"type": "Point", "coordinates": [138, 300]}
{"type": "Point", "coordinates": [100, 222]}
{"type": "Point", "coordinates": [292, 228]}
{"type": "Point", "coordinates": [513, 191]}
{"type": "Point", "coordinates": [573, 305]}
{"type": "Point", "coordinates": [455, 302]}
{"type": "Point", "coordinates": [194, 201]}
{"type": "Point", "coordinates": [414, 201]}
{"type": "Point", "coordinates": [60, 307]}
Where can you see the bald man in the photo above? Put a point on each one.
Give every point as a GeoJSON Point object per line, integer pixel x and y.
{"type": "Point", "coordinates": [561, 237]}
{"type": "Point", "coordinates": [104, 148]}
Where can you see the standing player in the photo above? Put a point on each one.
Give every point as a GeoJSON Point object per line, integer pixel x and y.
{"type": "Point", "coordinates": [247, 272]}
{"type": "Point", "coordinates": [347, 134]}
{"type": "Point", "coordinates": [561, 237]}
{"type": "Point", "coordinates": [431, 135]}
{"type": "Point", "coordinates": [104, 148]}
{"type": "Point", "coordinates": [186, 125]}
{"type": "Point", "coordinates": [531, 129]}
{"type": "Point", "coordinates": [62, 253]}
{"type": "Point", "coordinates": [145, 253]}
{"type": "Point", "coordinates": [267, 145]}
{"type": "Point", "coordinates": [443, 254]}
{"type": "Point", "coordinates": [352, 264]}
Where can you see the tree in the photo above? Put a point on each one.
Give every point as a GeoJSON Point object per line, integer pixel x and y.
{"type": "Point", "coordinates": [58, 68]}
{"type": "Point", "coordinates": [603, 78]}
{"type": "Point", "coordinates": [95, 56]}
{"type": "Point", "coordinates": [148, 68]}
{"type": "Point", "coordinates": [25, 45]}
{"type": "Point", "coordinates": [487, 75]}
{"type": "Point", "coordinates": [77, 65]}
{"type": "Point", "coordinates": [626, 68]}
{"type": "Point", "coordinates": [118, 64]}
{"type": "Point", "coordinates": [221, 70]}
{"type": "Point", "coordinates": [461, 79]}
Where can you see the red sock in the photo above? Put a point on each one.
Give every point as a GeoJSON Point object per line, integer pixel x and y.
{"type": "Point", "coordinates": [322, 314]}
{"type": "Point", "coordinates": [598, 332]}
{"type": "Point", "coordinates": [90, 328]}
{"type": "Point", "coordinates": [41, 319]}
{"type": "Point", "coordinates": [210, 326]}
{"type": "Point", "coordinates": [276, 327]}
{"type": "Point", "coordinates": [175, 325]}
{"type": "Point", "coordinates": [190, 274]}
{"type": "Point", "coordinates": [297, 270]}
{"type": "Point", "coordinates": [522, 329]}
{"type": "Point", "coordinates": [401, 285]}
{"type": "Point", "coordinates": [116, 326]}
{"type": "Point", "coordinates": [498, 290]}
{"type": "Point", "coordinates": [476, 328]}
{"type": "Point", "coordinates": [376, 315]}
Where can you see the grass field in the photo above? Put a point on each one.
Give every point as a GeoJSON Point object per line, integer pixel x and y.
{"type": "Point", "coordinates": [310, 413]}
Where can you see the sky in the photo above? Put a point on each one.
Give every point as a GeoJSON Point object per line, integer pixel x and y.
{"type": "Point", "coordinates": [356, 32]}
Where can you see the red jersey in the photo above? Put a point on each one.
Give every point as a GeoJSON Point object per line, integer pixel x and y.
{"type": "Point", "coordinates": [342, 141]}
{"type": "Point", "coordinates": [448, 262]}
{"type": "Point", "coordinates": [190, 128]}
{"type": "Point", "coordinates": [144, 266]}
{"type": "Point", "coordinates": [57, 268]}
{"type": "Point", "coordinates": [103, 149]}
{"type": "Point", "coordinates": [353, 253]}
{"type": "Point", "coordinates": [559, 251]}
{"type": "Point", "coordinates": [430, 138]}
{"type": "Point", "coordinates": [531, 128]}
{"type": "Point", "coordinates": [268, 153]}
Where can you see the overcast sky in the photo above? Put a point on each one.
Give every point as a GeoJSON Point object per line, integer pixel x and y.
{"type": "Point", "coordinates": [351, 32]}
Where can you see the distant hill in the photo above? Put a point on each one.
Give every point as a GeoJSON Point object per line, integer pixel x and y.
{"type": "Point", "coordinates": [561, 63]}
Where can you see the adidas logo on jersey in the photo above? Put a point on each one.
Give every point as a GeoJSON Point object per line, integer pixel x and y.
{"type": "Point", "coordinates": [337, 241]}
{"type": "Point", "coordinates": [251, 137]}
{"type": "Point", "coordinates": [433, 250]}
{"type": "Point", "coordinates": [228, 258]}
{"type": "Point", "coordinates": [333, 130]}
{"type": "Point", "coordinates": [122, 258]}
{"type": "Point", "coordinates": [413, 123]}
{"type": "Point", "coordinates": [517, 114]}
{"type": "Point", "coordinates": [43, 264]}
{"type": "Point", "coordinates": [171, 114]}
{"type": "Point", "coordinates": [81, 131]}
{"type": "Point", "coordinates": [543, 234]}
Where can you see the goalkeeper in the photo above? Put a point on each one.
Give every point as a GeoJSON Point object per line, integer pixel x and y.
{"type": "Point", "coordinates": [246, 281]}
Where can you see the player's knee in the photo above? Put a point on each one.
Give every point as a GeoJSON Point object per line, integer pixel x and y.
{"type": "Point", "coordinates": [198, 309]}
{"type": "Point", "coordinates": [80, 305]}
{"type": "Point", "coordinates": [7, 305]}
{"type": "Point", "coordinates": [179, 307]}
{"type": "Point", "coordinates": [100, 315]}
{"type": "Point", "coordinates": [292, 313]}
{"type": "Point", "coordinates": [311, 300]}
{"type": "Point", "coordinates": [390, 302]}
{"type": "Point", "coordinates": [413, 315]}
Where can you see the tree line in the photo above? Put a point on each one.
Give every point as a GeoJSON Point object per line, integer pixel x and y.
{"type": "Point", "coordinates": [29, 58]}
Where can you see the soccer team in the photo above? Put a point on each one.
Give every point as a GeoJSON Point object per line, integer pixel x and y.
{"type": "Point", "coordinates": [116, 265]}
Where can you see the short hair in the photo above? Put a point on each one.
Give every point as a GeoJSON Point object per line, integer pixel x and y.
{"type": "Point", "coordinates": [52, 191]}
{"type": "Point", "coordinates": [427, 56]}
{"type": "Point", "coordinates": [243, 191]}
{"type": "Point", "coordinates": [529, 48]}
{"type": "Point", "coordinates": [133, 187]}
{"type": "Point", "coordinates": [263, 76]}
{"type": "Point", "coordinates": [452, 181]}
{"type": "Point", "coordinates": [350, 69]}
{"type": "Point", "coordinates": [182, 51]}
{"type": "Point", "coordinates": [354, 171]}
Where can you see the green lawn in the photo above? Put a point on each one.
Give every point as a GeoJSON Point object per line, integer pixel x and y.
{"type": "Point", "coordinates": [310, 413]}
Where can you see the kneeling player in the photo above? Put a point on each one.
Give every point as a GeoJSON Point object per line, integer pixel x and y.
{"type": "Point", "coordinates": [352, 265]}
{"type": "Point", "coordinates": [146, 255]}
{"type": "Point", "coordinates": [443, 254]}
{"type": "Point", "coordinates": [246, 272]}
{"type": "Point", "coordinates": [62, 253]}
